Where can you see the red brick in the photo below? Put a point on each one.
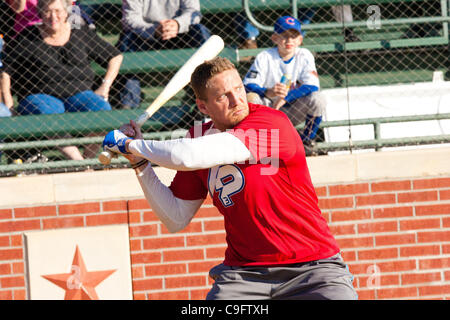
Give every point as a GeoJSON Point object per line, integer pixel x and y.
{"type": "Point", "coordinates": [446, 222]}
{"type": "Point", "coordinates": [147, 284]}
{"type": "Point", "coordinates": [208, 212]}
{"type": "Point", "coordinates": [67, 222]}
{"type": "Point", "coordinates": [415, 278]}
{"type": "Point", "coordinates": [199, 294]}
{"type": "Point", "coordinates": [106, 219]}
{"type": "Point", "coordinates": [204, 266]}
{"type": "Point", "coordinates": [336, 202]}
{"type": "Point", "coordinates": [135, 245]}
{"type": "Point", "coordinates": [395, 239]}
{"type": "Point", "coordinates": [381, 280]}
{"type": "Point", "coordinates": [439, 263]}
{"type": "Point", "coordinates": [20, 295]}
{"type": "Point", "coordinates": [206, 239]}
{"type": "Point", "coordinates": [5, 268]}
{"type": "Point", "coordinates": [348, 255]}
{"type": "Point", "coordinates": [213, 225]}
{"type": "Point", "coordinates": [21, 225]}
{"type": "Point", "coordinates": [163, 242]}
{"type": "Point", "coordinates": [138, 204]}
{"type": "Point", "coordinates": [194, 226]}
{"type": "Point", "coordinates": [375, 199]}
{"type": "Point", "coordinates": [355, 242]}
{"type": "Point", "coordinates": [183, 255]}
{"type": "Point", "coordinates": [366, 294]}
{"type": "Point", "coordinates": [140, 296]}
{"type": "Point", "coordinates": [321, 191]}
{"type": "Point", "coordinates": [16, 240]}
{"type": "Point", "coordinates": [150, 216]}
{"type": "Point", "coordinates": [445, 248]}
{"type": "Point", "coordinates": [431, 183]}
{"type": "Point", "coordinates": [165, 269]}
{"type": "Point", "coordinates": [4, 241]}
{"type": "Point", "coordinates": [350, 215]}
{"type": "Point", "coordinates": [80, 208]}
{"type": "Point", "coordinates": [390, 186]}
{"type": "Point", "coordinates": [433, 236]}
{"type": "Point", "coordinates": [444, 194]}
{"type": "Point", "coordinates": [11, 254]}
{"type": "Point", "coordinates": [18, 268]}
{"type": "Point", "coordinates": [417, 196]}
{"type": "Point", "coordinates": [343, 229]}
{"type": "Point", "coordinates": [137, 272]}
{"type": "Point", "coordinates": [419, 251]}
{"type": "Point", "coordinates": [436, 209]}
{"type": "Point", "coordinates": [216, 252]}
{"type": "Point", "coordinates": [396, 293]}
{"type": "Point", "coordinates": [6, 295]}
{"type": "Point", "coordinates": [143, 230]}
{"type": "Point", "coordinates": [147, 257]}
{"type": "Point", "coordinates": [169, 295]}
{"type": "Point", "coordinates": [120, 205]}
{"type": "Point", "coordinates": [185, 281]}
{"type": "Point", "coordinates": [418, 224]}
{"type": "Point", "coordinates": [434, 290]}
{"type": "Point", "coordinates": [5, 214]}
{"type": "Point", "coordinates": [348, 189]}
{"type": "Point", "coordinates": [374, 254]}
{"type": "Point", "coordinates": [384, 226]}
{"type": "Point", "coordinates": [396, 265]}
{"type": "Point", "coordinates": [392, 212]}
{"type": "Point", "coordinates": [32, 212]}
{"type": "Point", "coordinates": [134, 217]}
{"type": "Point", "coordinates": [12, 282]}
{"type": "Point", "coordinates": [447, 275]}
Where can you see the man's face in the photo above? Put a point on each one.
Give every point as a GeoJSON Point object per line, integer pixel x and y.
{"type": "Point", "coordinates": [225, 100]}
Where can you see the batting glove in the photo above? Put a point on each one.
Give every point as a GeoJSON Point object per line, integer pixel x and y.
{"type": "Point", "coordinates": [115, 141]}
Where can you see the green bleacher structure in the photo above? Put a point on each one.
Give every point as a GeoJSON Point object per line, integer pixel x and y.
{"type": "Point", "coordinates": [325, 40]}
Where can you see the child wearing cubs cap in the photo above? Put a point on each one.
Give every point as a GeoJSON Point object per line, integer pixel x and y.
{"type": "Point", "coordinates": [285, 77]}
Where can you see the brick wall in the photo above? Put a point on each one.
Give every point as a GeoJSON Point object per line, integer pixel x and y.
{"type": "Point", "coordinates": [394, 234]}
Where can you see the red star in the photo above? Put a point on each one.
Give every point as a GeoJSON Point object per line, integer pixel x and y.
{"type": "Point", "coordinates": [80, 284]}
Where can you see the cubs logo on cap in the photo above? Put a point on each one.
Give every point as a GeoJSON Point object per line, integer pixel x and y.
{"type": "Point", "coordinates": [287, 23]}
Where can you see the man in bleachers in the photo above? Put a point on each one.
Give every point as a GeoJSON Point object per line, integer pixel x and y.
{"type": "Point", "coordinates": [156, 25]}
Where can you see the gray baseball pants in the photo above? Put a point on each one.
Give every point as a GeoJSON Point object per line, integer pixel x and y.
{"type": "Point", "coordinates": [325, 279]}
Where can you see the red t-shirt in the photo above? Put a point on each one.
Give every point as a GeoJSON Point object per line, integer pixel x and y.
{"type": "Point", "coordinates": [269, 204]}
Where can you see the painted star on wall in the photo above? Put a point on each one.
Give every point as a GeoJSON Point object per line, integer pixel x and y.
{"type": "Point", "coordinates": [79, 284]}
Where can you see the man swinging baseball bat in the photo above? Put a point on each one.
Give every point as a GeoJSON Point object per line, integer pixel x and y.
{"type": "Point", "coordinates": [251, 161]}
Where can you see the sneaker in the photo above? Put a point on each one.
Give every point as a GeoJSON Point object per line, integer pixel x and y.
{"type": "Point", "coordinates": [37, 158]}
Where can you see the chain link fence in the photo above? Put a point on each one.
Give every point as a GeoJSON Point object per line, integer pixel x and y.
{"type": "Point", "coordinates": [382, 67]}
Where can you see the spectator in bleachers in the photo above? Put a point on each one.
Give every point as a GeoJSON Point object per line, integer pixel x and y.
{"type": "Point", "coordinates": [156, 25]}
{"type": "Point", "coordinates": [297, 94]}
{"type": "Point", "coordinates": [26, 13]}
{"type": "Point", "coordinates": [49, 69]}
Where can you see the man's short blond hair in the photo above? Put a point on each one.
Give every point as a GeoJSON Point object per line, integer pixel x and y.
{"type": "Point", "coordinates": [207, 70]}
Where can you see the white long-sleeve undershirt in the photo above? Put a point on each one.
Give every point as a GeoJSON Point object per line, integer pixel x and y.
{"type": "Point", "coordinates": [183, 154]}
{"type": "Point", "coordinates": [187, 154]}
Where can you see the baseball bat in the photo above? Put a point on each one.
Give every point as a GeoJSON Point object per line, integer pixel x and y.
{"type": "Point", "coordinates": [207, 51]}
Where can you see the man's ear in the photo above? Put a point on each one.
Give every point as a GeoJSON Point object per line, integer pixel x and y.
{"type": "Point", "coordinates": [201, 104]}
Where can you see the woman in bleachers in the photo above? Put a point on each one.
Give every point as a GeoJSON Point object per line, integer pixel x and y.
{"type": "Point", "coordinates": [48, 66]}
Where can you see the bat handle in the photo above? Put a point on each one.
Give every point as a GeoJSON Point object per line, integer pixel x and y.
{"type": "Point", "coordinates": [106, 155]}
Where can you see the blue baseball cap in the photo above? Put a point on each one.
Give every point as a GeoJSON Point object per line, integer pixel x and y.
{"type": "Point", "coordinates": [287, 23]}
